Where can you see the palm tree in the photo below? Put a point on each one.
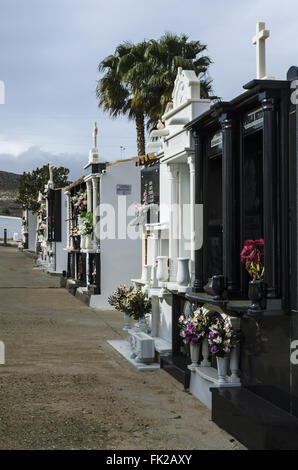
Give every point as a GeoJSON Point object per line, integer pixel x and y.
{"type": "Point", "coordinates": [165, 56]}
{"type": "Point", "coordinates": [139, 78]}
{"type": "Point", "coordinates": [126, 71]}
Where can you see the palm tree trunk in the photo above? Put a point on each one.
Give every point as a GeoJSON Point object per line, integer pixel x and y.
{"type": "Point", "coordinates": [140, 126]}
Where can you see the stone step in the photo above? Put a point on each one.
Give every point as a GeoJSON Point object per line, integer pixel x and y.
{"type": "Point", "coordinates": [163, 347]}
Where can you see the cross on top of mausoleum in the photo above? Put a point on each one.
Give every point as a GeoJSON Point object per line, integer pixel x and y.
{"type": "Point", "coordinates": [259, 41]}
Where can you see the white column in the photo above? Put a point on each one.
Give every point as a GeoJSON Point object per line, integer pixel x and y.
{"type": "Point", "coordinates": [155, 255]}
{"type": "Point", "coordinates": [94, 203]}
{"type": "Point", "coordinates": [191, 164]}
{"type": "Point", "coordinates": [174, 220]}
{"type": "Point", "coordinates": [144, 251]}
{"type": "Point", "coordinates": [89, 195]}
{"type": "Point", "coordinates": [155, 319]}
{"type": "Point", "coordinates": [68, 223]}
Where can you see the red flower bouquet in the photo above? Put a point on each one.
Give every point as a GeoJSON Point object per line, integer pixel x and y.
{"type": "Point", "coordinates": [252, 255]}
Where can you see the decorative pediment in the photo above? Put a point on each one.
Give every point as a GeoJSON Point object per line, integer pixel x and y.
{"type": "Point", "coordinates": [186, 87]}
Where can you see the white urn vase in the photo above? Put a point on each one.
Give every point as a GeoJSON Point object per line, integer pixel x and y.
{"type": "Point", "coordinates": [222, 368]}
{"type": "Point", "coordinates": [162, 272]}
{"type": "Point", "coordinates": [183, 276]}
{"type": "Point", "coordinates": [194, 355]}
{"type": "Point", "coordinates": [83, 242]}
{"type": "Point", "coordinates": [141, 325]}
{"type": "Point", "coordinates": [126, 322]}
{"type": "Point", "coordinates": [88, 241]}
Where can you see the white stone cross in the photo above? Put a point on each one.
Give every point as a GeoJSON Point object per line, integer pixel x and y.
{"type": "Point", "coordinates": [95, 135]}
{"type": "Point", "coordinates": [259, 40]}
{"type": "Point", "coordinates": [51, 180]}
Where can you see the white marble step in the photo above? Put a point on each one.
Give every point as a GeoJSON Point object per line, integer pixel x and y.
{"type": "Point", "coordinates": [162, 346]}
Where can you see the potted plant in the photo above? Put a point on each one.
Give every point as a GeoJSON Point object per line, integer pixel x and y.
{"type": "Point", "coordinates": [193, 330]}
{"type": "Point", "coordinates": [118, 300]}
{"type": "Point", "coordinates": [252, 255]}
{"type": "Point", "coordinates": [79, 201]}
{"type": "Point", "coordinates": [221, 340]}
{"type": "Point", "coordinates": [81, 231]}
{"type": "Point", "coordinates": [139, 305]}
{"type": "Point", "coordinates": [88, 229]}
{"type": "Point", "coordinates": [76, 237]}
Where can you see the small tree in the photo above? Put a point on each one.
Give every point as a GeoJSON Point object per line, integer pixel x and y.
{"type": "Point", "coordinates": [33, 182]}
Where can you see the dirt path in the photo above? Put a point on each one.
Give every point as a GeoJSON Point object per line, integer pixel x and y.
{"type": "Point", "coordinates": [64, 387]}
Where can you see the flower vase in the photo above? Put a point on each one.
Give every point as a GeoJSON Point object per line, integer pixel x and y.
{"type": "Point", "coordinates": [162, 274]}
{"type": "Point", "coordinates": [256, 294]}
{"type": "Point", "coordinates": [183, 276]}
{"type": "Point", "coordinates": [162, 269]}
{"type": "Point", "coordinates": [205, 353]}
{"type": "Point", "coordinates": [222, 368]}
{"type": "Point", "coordinates": [194, 355]}
{"type": "Point", "coordinates": [88, 241]}
{"type": "Point", "coordinates": [141, 325]}
{"type": "Point", "coordinates": [218, 286]}
{"type": "Point", "coordinates": [83, 242]}
{"type": "Point", "coordinates": [76, 243]}
{"type": "Point", "coordinates": [126, 322]}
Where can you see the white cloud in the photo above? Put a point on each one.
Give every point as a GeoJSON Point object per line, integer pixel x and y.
{"type": "Point", "coordinates": [49, 64]}
{"type": "Point", "coordinates": [13, 148]}
{"type": "Point", "coordinates": [35, 157]}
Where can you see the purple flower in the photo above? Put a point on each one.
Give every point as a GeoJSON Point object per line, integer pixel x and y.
{"type": "Point", "coordinates": [214, 349]}
{"type": "Point", "coordinates": [211, 334]}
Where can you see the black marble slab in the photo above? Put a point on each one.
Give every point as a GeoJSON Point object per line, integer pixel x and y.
{"type": "Point", "coordinates": [182, 375]}
{"type": "Point", "coordinates": [201, 297]}
{"type": "Point", "coordinates": [254, 421]}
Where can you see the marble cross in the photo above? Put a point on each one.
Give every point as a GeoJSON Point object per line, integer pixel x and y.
{"type": "Point", "coordinates": [95, 135]}
{"type": "Point", "coordinates": [259, 40]}
{"type": "Point", "coordinates": [51, 172]}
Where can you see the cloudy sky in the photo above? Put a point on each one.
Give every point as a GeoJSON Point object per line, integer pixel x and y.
{"type": "Point", "coordinates": [50, 49]}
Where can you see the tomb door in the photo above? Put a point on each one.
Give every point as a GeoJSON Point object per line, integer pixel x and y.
{"type": "Point", "coordinates": [251, 186]}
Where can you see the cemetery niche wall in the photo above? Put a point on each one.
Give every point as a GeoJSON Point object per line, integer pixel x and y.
{"type": "Point", "coordinates": [99, 261]}
{"type": "Point", "coordinates": [50, 233]}
{"type": "Point", "coordinates": [245, 161]}
{"type": "Point", "coordinates": [29, 224]}
{"type": "Point", "coordinates": [168, 180]}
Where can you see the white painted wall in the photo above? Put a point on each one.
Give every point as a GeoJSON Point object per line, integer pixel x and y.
{"type": "Point", "coordinates": [121, 259]}
{"type": "Point", "coordinates": [176, 146]}
{"type": "Point", "coordinates": [184, 199]}
{"type": "Point", "coordinates": [165, 323]}
{"type": "Point", "coordinates": [164, 193]}
{"type": "Point", "coordinates": [61, 254]}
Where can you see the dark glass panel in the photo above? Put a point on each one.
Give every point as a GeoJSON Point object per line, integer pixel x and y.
{"type": "Point", "coordinates": [214, 216]}
{"type": "Point", "coordinates": [253, 186]}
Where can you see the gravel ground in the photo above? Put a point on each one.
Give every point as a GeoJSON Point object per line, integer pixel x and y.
{"type": "Point", "coordinates": [64, 387]}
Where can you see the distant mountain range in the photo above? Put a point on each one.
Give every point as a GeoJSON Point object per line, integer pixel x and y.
{"type": "Point", "coordinates": [9, 187]}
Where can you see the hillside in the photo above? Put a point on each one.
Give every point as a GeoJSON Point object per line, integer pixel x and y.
{"type": "Point", "coordinates": [9, 185]}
